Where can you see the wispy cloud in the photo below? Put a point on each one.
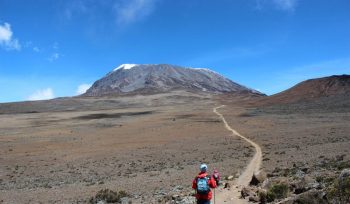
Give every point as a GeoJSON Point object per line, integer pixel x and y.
{"type": "Point", "coordinates": [55, 52]}
{"type": "Point", "coordinates": [284, 5]}
{"type": "Point", "coordinates": [31, 46]}
{"type": "Point", "coordinates": [54, 56]}
{"type": "Point", "coordinates": [42, 94]}
{"type": "Point", "coordinates": [73, 8]}
{"type": "Point", "coordinates": [6, 38]}
{"type": "Point", "coordinates": [82, 88]}
{"type": "Point", "coordinates": [36, 49]}
{"type": "Point", "coordinates": [130, 11]}
{"type": "Point", "coordinates": [288, 5]}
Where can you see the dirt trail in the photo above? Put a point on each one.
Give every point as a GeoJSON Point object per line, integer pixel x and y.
{"type": "Point", "coordinates": [232, 196]}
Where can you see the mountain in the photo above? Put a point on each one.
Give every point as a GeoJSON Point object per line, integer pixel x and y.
{"type": "Point", "coordinates": [312, 89]}
{"type": "Point", "coordinates": [155, 78]}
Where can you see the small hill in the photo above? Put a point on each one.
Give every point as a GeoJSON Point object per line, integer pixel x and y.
{"type": "Point", "coordinates": [158, 78]}
{"type": "Point", "coordinates": [312, 89]}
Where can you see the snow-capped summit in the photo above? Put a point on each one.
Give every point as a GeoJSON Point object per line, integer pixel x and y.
{"type": "Point", "coordinates": [125, 66]}
{"type": "Point", "coordinates": [154, 78]}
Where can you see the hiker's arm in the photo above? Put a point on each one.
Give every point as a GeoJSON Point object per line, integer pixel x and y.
{"type": "Point", "coordinates": [194, 184]}
{"type": "Point", "coordinates": [212, 182]}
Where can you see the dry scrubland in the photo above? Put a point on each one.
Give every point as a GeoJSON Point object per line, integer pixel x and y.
{"type": "Point", "coordinates": [305, 145]}
{"type": "Point", "coordinates": [148, 146]}
{"type": "Point", "coordinates": [290, 137]}
{"type": "Point", "coordinates": [66, 150]}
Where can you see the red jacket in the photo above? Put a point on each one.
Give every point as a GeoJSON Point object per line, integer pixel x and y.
{"type": "Point", "coordinates": [211, 183]}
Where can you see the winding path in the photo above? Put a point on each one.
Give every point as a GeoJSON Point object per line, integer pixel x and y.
{"type": "Point", "coordinates": [232, 196]}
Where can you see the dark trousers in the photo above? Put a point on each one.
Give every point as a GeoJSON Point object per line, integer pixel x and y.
{"type": "Point", "coordinates": [203, 201]}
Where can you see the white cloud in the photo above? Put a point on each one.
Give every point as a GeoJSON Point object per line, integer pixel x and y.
{"type": "Point", "coordinates": [54, 57]}
{"type": "Point", "coordinates": [42, 94]}
{"type": "Point", "coordinates": [5, 32]}
{"type": "Point", "coordinates": [6, 38]}
{"type": "Point", "coordinates": [130, 11]}
{"type": "Point", "coordinates": [82, 88]}
{"type": "Point", "coordinates": [288, 5]}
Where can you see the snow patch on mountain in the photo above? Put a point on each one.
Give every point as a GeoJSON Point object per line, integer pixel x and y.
{"type": "Point", "coordinates": [125, 66]}
{"type": "Point", "coordinates": [205, 69]}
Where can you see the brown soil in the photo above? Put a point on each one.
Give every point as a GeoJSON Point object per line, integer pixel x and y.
{"type": "Point", "coordinates": [66, 157]}
{"type": "Point", "coordinates": [151, 146]}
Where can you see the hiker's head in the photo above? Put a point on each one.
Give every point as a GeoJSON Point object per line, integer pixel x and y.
{"type": "Point", "coordinates": [203, 168]}
{"type": "Point", "coordinates": [215, 171]}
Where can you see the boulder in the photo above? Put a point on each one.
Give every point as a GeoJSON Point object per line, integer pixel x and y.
{"type": "Point", "coordinates": [343, 177]}
{"type": "Point", "coordinates": [175, 197]}
{"type": "Point", "coordinates": [247, 192]}
{"type": "Point", "coordinates": [254, 199]}
{"type": "Point", "coordinates": [299, 186]}
{"type": "Point", "coordinates": [125, 200]}
{"type": "Point", "coordinates": [266, 184]}
{"type": "Point", "coordinates": [262, 194]}
{"type": "Point", "coordinates": [305, 169]}
{"type": "Point", "coordinates": [186, 200]}
{"type": "Point", "coordinates": [230, 178]}
{"type": "Point", "coordinates": [314, 185]}
{"type": "Point", "coordinates": [300, 174]}
{"type": "Point", "coordinates": [258, 177]}
{"type": "Point", "coordinates": [254, 181]}
{"type": "Point", "coordinates": [227, 185]}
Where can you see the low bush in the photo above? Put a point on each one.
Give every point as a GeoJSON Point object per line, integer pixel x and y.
{"type": "Point", "coordinates": [339, 192]}
{"type": "Point", "coordinates": [108, 196]}
{"type": "Point", "coordinates": [277, 191]}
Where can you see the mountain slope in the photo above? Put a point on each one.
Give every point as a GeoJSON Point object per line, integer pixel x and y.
{"type": "Point", "coordinates": [313, 89]}
{"type": "Point", "coordinates": [132, 78]}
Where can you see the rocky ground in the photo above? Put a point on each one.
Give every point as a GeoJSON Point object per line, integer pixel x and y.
{"type": "Point", "coordinates": [148, 148]}
{"type": "Point", "coordinates": [305, 145]}
{"type": "Point", "coordinates": [152, 153]}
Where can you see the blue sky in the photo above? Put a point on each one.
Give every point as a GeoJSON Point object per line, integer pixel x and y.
{"type": "Point", "coordinates": [52, 48]}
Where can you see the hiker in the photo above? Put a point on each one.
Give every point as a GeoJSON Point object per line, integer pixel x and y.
{"type": "Point", "coordinates": [202, 184]}
{"type": "Point", "coordinates": [216, 177]}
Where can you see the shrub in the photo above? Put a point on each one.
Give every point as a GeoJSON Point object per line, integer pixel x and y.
{"type": "Point", "coordinates": [339, 193]}
{"type": "Point", "coordinates": [123, 194]}
{"type": "Point", "coordinates": [277, 191]}
{"type": "Point", "coordinates": [108, 196]}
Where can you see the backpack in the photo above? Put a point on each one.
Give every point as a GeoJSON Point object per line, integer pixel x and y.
{"type": "Point", "coordinates": [216, 178]}
{"type": "Point", "coordinates": [203, 185]}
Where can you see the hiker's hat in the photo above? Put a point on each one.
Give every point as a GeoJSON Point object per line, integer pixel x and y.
{"type": "Point", "coordinates": [203, 168]}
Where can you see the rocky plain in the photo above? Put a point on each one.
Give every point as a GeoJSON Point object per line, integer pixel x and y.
{"type": "Point", "coordinates": [146, 148]}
